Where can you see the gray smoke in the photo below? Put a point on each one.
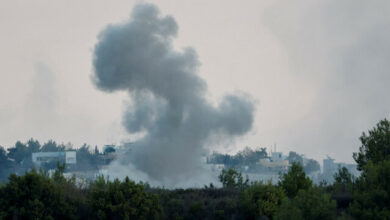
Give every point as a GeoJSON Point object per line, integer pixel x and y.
{"type": "Point", "coordinates": [42, 104]}
{"type": "Point", "coordinates": [169, 105]}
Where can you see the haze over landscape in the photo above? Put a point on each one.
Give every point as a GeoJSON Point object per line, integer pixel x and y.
{"type": "Point", "coordinates": [133, 109]}
{"type": "Point", "coordinates": [317, 71]}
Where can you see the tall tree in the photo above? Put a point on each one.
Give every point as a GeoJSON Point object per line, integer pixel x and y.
{"type": "Point", "coordinates": [308, 204]}
{"type": "Point", "coordinates": [33, 145]}
{"type": "Point", "coordinates": [35, 196]}
{"type": "Point", "coordinates": [294, 180]}
{"type": "Point", "coordinates": [233, 179]}
{"type": "Point", "coordinates": [5, 164]}
{"type": "Point", "coordinates": [122, 200]}
{"type": "Point", "coordinates": [261, 200]}
{"type": "Point", "coordinates": [18, 153]}
{"type": "Point", "coordinates": [375, 145]}
{"type": "Point", "coordinates": [372, 197]}
{"type": "Point", "coordinates": [50, 146]}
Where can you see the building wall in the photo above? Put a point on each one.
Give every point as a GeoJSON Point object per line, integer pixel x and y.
{"type": "Point", "coordinates": [68, 157]}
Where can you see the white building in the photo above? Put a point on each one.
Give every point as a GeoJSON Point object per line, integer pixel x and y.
{"type": "Point", "coordinates": [68, 157]}
{"type": "Point", "coordinates": [330, 167]}
{"type": "Point", "coordinates": [277, 156]}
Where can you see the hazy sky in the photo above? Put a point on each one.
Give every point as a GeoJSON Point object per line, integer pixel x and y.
{"type": "Point", "coordinates": [318, 70]}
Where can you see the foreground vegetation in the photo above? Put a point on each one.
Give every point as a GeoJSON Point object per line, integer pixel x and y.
{"type": "Point", "coordinates": [37, 195]}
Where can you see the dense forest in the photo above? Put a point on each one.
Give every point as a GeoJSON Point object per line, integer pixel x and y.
{"type": "Point", "coordinates": [38, 195]}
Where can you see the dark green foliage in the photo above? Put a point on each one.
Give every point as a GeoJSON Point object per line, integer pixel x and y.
{"type": "Point", "coordinates": [37, 196]}
{"type": "Point", "coordinates": [375, 145]}
{"type": "Point", "coordinates": [89, 160]}
{"type": "Point", "coordinates": [288, 211]}
{"type": "Point", "coordinates": [197, 210]}
{"type": "Point", "coordinates": [231, 178]}
{"type": "Point", "coordinates": [308, 204]}
{"type": "Point", "coordinates": [33, 145]}
{"type": "Point", "coordinates": [344, 177]}
{"type": "Point", "coordinates": [19, 152]}
{"type": "Point", "coordinates": [18, 160]}
{"type": "Point", "coordinates": [294, 180]}
{"type": "Point", "coordinates": [174, 209]}
{"type": "Point", "coordinates": [5, 164]}
{"type": "Point", "coordinates": [372, 197]}
{"type": "Point", "coordinates": [226, 208]}
{"type": "Point", "coordinates": [51, 146]}
{"type": "Point", "coordinates": [261, 200]}
{"type": "Point", "coordinates": [207, 203]}
{"type": "Point", "coordinates": [219, 214]}
{"type": "Point", "coordinates": [372, 194]}
{"type": "Point", "coordinates": [122, 200]}
{"type": "Point", "coordinates": [344, 181]}
{"type": "Point", "coordinates": [342, 188]}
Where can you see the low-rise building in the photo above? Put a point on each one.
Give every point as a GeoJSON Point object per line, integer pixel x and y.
{"type": "Point", "coordinates": [67, 157]}
{"type": "Point", "coordinates": [330, 167]}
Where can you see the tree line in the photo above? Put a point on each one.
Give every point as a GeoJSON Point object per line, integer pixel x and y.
{"type": "Point", "coordinates": [38, 195]}
{"type": "Point", "coordinates": [249, 158]}
{"type": "Point", "coordinates": [17, 159]}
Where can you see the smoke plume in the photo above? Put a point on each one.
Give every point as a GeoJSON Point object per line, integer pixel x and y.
{"type": "Point", "coordinates": [168, 97]}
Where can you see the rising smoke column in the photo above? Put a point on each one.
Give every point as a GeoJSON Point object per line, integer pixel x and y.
{"type": "Point", "coordinates": [169, 103]}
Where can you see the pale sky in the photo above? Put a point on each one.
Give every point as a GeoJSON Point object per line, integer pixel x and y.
{"type": "Point", "coordinates": [318, 70]}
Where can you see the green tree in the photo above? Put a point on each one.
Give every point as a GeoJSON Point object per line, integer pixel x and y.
{"type": "Point", "coordinates": [344, 180]}
{"type": "Point", "coordinates": [18, 153]}
{"type": "Point", "coordinates": [308, 204]}
{"type": "Point", "coordinates": [261, 199]}
{"type": "Point", "coordinates": [51, 146]}
{"type": "Point", "coordinates": [35, 196]}
{"type": "Point", "coordinates": [174, 209]}
{"type": "Point", "coordinates": [122, 200]}
{"type": "Point", "coordinates": [5, 165]}
{"type": "Point", "coordinates": [197, 210]}
{"type": "Point", "coordinates": [294, 180]}
{"type": "Point", "coordinates": [288, 211]}
{"type": "Point", "coordinates": [342, 188]}
{"type": "Point", "coordinates": [375, 145]}
{"type": "Point", "coordinates": [233, 179]}
{"type": "Point", "coordinates": [372, 195]}
{"type": "Point", "coordinates": [33, 145]}
{"type": "Point", "coordinates": [89, 160]}
{"type": "Point", "coordinates": [21, 153]}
